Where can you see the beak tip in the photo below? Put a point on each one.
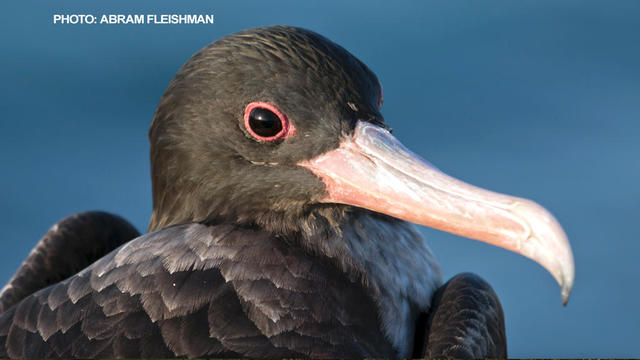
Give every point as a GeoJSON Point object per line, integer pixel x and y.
{"type": "Point", "coordinates": [567, 286]}
{"type": "Point", "coordinates": [568, 276]}
{"type": "Point", "coordinates": [566, 293]}
{"type": "Point", "coordinates": [549, 245]}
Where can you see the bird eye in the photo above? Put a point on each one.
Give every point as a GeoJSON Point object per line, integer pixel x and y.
{"type": "Point", "coordinates": [265, 122]}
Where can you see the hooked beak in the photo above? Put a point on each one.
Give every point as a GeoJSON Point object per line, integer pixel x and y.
{"type": "Point", "coordinates": [373, 170]}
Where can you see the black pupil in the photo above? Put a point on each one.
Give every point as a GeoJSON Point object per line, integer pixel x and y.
{"type": "Point", "coordinates": [264, 122]}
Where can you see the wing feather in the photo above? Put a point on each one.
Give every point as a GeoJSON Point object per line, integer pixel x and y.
{"type": "Point", "coordinates": [197, 291]}
{"type": "Point", "coordinates": [69, 246]}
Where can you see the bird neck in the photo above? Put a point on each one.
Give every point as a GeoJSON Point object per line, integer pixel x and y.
{"type": "Point", "coordinates": [392, 261]}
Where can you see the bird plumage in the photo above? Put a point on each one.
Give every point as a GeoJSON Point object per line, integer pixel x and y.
{"type": "Point", "coordinates": [201, 290]}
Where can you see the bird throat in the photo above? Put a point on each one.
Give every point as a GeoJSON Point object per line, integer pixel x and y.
{"type": "Point", "coordinates": [393, 262]}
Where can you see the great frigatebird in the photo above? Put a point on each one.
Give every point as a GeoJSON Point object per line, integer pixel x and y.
{"type": "Point", "coordinates": [280, 228]}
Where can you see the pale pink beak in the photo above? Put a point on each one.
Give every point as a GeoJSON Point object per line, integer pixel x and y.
{"type": "Point", "coordinates": [373, 170]}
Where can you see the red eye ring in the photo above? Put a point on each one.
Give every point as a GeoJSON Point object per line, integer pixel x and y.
{"type": "Point", "coordinates": [287, 129]}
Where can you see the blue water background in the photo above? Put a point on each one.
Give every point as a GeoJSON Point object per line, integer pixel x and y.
{"type": "Point", "coordinates": [539, 99]}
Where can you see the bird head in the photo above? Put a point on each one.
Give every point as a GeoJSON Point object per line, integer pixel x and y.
{"type": "Point", "coordinates": [280, 128]}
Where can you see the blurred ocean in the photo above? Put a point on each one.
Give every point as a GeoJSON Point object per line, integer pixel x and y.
{"type": "Point", "coordinates": [539, 99]}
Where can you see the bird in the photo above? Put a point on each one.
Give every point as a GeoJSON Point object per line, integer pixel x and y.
{"type": "Point", "coordinates": [283, 225]}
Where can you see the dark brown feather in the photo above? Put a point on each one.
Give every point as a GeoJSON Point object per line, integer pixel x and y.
{"type": "Point", "coordinates": [465, 321]}
{"type": "Point", "coordinates": [223, 305]}
{"type": "Point", "coordinates": [68, 247]}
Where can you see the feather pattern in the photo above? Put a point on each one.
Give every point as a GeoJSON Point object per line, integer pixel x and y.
{"type": "Point", "coordinates": [197, 290]}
